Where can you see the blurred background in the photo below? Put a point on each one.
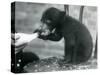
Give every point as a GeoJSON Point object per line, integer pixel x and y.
{"type": "Point", "coordinates": [27, 19]}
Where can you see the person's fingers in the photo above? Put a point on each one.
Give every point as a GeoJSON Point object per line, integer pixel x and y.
{"type": "Point", "coordinates": [18, 49]}
{"type": "Point", "coordinates": [17, 37]}
{"type": "Point", "coordinates": [18, 46]}
{"type": "Point", "coordinates": [14, 37]}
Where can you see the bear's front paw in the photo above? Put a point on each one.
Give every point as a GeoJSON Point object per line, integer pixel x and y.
{"type": "Point", "coordinates": [43, 37]}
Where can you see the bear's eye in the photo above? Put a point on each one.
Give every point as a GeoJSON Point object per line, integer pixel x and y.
{"type": "Point", "coordinates": [48, 21]}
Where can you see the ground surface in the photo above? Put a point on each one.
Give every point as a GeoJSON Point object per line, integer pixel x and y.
{"type": "Point", "coordinates": [57, 64]}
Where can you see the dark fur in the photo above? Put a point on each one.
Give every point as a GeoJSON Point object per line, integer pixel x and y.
{"type": "Point", "coordinates": [78, 41]}
{"type": "Point", "coordinates": [25, 58]}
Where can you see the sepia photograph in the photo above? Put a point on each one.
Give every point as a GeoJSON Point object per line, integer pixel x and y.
{"type": "Point", "coordinates": [48, 37]}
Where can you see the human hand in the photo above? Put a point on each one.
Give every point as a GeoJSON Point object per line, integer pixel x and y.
{"type": "Point", "coordinates": [24, 38]}
{"type": "Point", "coordinates": [20, 40]}
{"type": "Point", "coordinates": [14, 39]}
